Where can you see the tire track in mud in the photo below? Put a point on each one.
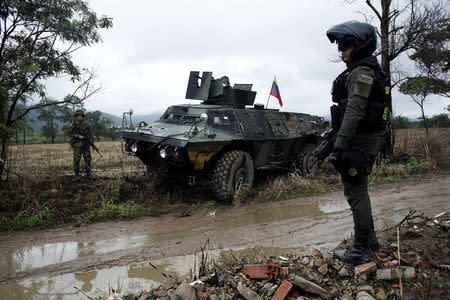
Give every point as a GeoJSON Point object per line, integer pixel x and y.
{"type": "Point", "coordinates": [319, 221]}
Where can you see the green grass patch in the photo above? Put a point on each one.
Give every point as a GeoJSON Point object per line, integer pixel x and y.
{"type": "Point", "coordinates": [26, 219]}
{"type": "Point", "coordinates": [108, 210]}
{"type": "Point", "coordinates": [417, 166]}
{"type": "Point", "coordinates": [386, 179]}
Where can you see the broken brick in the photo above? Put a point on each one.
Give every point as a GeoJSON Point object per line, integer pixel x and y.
{"type": "Point", "coordinates": [317, 252]}
{"type": "Point", "coordinates": [365, 268]}
{"type": "Point", "coordinates": [261, 271]}
{"type": "Point", "coordinates": [143, 296]}
{"type": "Point", "coordinates": [394, 254]}
{"type": "Point", "coordinates": [327, 281]}
{"type": "Point", "coordinates": [336, 267]}
{"type": "Point", "coordinates": [282, 291]}
{"type": "Point", "coordinates": [204, 296]}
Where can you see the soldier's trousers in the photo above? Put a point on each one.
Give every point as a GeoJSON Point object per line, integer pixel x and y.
{"type": "Point", "coordinates": [78, 152]}
{"type": "Point", "coordinates": [359, 201]}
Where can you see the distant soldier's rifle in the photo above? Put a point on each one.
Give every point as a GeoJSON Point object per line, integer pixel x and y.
{"type": "Point", "coordinates": [88, 140]}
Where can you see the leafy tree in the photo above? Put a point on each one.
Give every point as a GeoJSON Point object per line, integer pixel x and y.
{"type": "Point", "coordinates": [432, 55]}
{"type": "Point", "coordinates": [49, 114]}
{"type": "Point", "coordinates": [401, 122]}
{"type": "Point", "coordinates": [67, 112]}
{"type": "Point", "coordinates": [439, 121]}
{"type": "Point", "coordinates": [37, 40]}
{"type": "Point", "coordinates": [419, 88]}
{"type": "Point", "coordinates": [100, 126]}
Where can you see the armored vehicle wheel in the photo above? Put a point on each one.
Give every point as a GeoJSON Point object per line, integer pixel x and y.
{"type": "Point", "coordinates": [234, 169]}
{"type": "Point", "coordinates": [307, 163]}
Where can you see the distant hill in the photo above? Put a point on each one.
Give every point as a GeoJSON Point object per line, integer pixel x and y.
{"type": "Point", "coordinates": [149, 118]}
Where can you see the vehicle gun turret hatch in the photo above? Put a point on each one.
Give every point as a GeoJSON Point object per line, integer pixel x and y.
{"type": "Point", "coordinates": [218, 91]}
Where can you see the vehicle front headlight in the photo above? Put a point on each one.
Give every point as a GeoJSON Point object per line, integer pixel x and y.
{"type": "Point", "coordinates": [162, 153]}
{"type": "Point", "coordinates": [134, 148]}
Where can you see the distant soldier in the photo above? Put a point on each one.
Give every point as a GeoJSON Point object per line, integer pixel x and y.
{"type": "Point", "coordinates": [80, 135]}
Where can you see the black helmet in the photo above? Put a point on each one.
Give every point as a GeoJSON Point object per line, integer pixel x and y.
{"type": "Point", "coordinates": [79, 112]}
{"type": "Point", "coordinates": [362, 36]}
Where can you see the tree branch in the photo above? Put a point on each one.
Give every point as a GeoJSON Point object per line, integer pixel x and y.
{"type": "Point", "coordinates": [374, 9]}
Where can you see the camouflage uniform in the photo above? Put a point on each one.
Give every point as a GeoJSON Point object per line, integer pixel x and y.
{"type": "Point", "coordinates": [368, 143]}
{"type": "Point", "coordinates": [80, 146]}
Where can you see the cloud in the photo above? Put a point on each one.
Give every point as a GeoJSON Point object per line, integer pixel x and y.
{"type": "Point", "coordinates": [145, 59]}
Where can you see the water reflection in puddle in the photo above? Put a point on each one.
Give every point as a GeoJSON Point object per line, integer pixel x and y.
{"type": "Point", "coordinates": [27, 258]}
{"type": "Point", "coordinates": [135, 278]}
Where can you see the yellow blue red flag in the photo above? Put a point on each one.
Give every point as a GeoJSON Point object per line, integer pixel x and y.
{"type": "Point", "coordinates": [275, 91]}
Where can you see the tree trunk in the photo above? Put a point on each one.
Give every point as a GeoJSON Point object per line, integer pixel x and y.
{"type": "Point", "coordinates": [52, 133]}
{"type": "Point", "coordinates": [389, 136]}
{"type": "Point", "coordinates": [4, 152]}
{"type": "Point", "coordinates": [424, 120]}
{"type": "Point", "coordinates": [24, 136]}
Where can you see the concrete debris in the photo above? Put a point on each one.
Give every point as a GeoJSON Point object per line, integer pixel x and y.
{"type": "Point", "coordinates": [186, 291]}
{"type": "Point", "coordinates": [310, 287]}
{"type": "Point", "coordinates": [364, 296]}
{"type": "Point", "coordinates": [388, 274]}
{"type": "Point", "coordinates": [366, 288]}
{"type": "Point", "coordinates": [247, 293]}
{"type": "Point", "coordinates": [343, 272]}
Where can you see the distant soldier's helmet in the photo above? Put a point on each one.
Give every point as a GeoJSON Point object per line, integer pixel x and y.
{"type": "Point", "coordinates": [362, 36]}
{"type": "Point", "coordinates": [79, 112]}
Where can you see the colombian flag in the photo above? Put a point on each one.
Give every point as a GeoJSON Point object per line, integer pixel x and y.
{"type": "Point", "coordinates": [275, 91]}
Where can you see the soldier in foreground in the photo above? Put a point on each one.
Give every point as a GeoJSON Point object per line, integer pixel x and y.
{"type": "Point", "coordinates": [358, 121]}
{"type": "Point", "coordinates": [80, 137]}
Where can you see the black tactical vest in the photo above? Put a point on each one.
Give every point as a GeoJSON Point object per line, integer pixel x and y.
{"type": "Point", "coordinates": [375, 118]}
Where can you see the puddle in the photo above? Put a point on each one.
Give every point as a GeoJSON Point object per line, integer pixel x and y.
{"type": "Point", "coordinates": [48, 254]}
{"type": "Point", "coordinates": [135, 277]}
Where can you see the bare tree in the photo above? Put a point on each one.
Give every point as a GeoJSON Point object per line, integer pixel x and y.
{"type": "Point", "coordinates": [400, 26]}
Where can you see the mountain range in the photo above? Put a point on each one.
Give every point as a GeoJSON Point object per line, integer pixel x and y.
{"type": "Point", "coordinates": [149, 118]}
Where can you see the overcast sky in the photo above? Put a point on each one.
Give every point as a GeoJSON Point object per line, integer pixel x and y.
{"type": "Point", "coordinates": [144, 60]}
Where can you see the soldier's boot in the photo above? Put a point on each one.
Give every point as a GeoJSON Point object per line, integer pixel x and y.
{"type": "Point", "coordinates": [374, 244]}
{"type": "Point", "coordinates": [359, 252]}
{"type": "Point", "coordinates": [77, 175]}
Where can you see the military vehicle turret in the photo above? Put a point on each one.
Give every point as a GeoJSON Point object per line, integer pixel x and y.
{"type": "Point", "coordinates": [225, 138]}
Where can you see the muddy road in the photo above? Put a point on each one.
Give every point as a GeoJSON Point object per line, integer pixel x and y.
{"type": "Point", "coordinates": [48, 263]}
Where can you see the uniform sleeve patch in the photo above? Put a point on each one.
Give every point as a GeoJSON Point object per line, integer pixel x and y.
{"type": "Point", "coordinates": [363, 86]}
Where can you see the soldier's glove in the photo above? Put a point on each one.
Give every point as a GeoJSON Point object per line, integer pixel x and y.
{"type": "Point", "coordinates": [336, 159]}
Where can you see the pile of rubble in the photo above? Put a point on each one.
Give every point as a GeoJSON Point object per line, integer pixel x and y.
{"type": "Point", "coordinates": [419, 272]}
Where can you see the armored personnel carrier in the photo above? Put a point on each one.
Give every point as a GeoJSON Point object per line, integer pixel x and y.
{"type": "Point", "coordinates": [225, 138]}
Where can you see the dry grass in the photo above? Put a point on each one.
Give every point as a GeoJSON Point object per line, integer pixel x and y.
{"type": "Point", "coordinates": [40, 187]}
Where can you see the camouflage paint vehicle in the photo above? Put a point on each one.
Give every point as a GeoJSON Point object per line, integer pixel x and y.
{"type": "Point", "coordinates": [225, 138]}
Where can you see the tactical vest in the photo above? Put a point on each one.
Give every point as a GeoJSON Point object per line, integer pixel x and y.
{"type": "Point", "coordinates": [375, 118]}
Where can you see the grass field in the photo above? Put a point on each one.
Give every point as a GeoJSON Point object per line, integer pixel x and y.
{"type": "Point", "coordinates": [40, 189]}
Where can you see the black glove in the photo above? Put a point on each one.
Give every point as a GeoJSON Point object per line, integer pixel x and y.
{"type": "Point", "coordinates": [336, 159]}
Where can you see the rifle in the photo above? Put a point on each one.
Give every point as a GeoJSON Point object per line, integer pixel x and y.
{"type": "Point", "coordinates": [91, 143]}
{"type": "Point", "coordinates": [326, 146]}
{"type": "Point", "coordinates": [88, 140]}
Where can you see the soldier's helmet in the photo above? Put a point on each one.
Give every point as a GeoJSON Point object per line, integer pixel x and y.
{"type": "Point", "coordinates": [79, 112]}
{"type": "Point", "coordinates": [362, 36]}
